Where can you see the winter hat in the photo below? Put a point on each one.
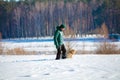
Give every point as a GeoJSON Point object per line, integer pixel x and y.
{"type": "Point", "coordinates": [62, 26]}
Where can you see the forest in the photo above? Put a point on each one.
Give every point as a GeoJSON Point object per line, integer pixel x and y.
{"type": "Point", "coordinates": [39, 18]}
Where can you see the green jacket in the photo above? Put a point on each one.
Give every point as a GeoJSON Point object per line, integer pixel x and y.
{"type": "Point", "coordinates": [58, 37]}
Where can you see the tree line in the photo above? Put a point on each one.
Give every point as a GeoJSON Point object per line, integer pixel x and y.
{"type": "Point", "coordinates": [38, 18]}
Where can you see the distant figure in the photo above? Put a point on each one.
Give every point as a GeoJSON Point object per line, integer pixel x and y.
{"type": "Point", "coordinates": [58, 41]}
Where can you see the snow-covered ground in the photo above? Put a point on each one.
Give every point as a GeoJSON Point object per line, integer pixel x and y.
{"type": "Point", "coordinates": [44, 67]}
{"type": "Point", "coordinates": [48, 46]}
{"type": "Point", "coordinates": [87, 43]}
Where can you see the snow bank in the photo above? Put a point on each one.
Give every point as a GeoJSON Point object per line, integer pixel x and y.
{"type": "Point", "coordinates": [50, 47]}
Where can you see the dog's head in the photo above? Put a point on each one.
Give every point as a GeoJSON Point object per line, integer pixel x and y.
{"type": "Point", "coordinates": [72, 51]}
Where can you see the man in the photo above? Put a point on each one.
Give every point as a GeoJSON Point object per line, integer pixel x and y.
{"type": "Point", "coordinates": [58, 41]}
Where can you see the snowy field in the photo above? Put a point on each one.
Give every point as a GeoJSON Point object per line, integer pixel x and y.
{"type": "Point", "coordinates": [46, 45]}
{"type": "Point", "coordinates": [44, 67]}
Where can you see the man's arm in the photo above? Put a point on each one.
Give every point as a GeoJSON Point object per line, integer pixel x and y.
{"type": "Point", "coordinates": [55, 39]}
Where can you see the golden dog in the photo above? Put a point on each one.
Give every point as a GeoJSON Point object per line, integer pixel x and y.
{"type": "Point", "coordinates": [71, 53]}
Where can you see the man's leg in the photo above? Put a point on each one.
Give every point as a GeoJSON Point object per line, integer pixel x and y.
{"type": "Point", "coordinates": [58, 53]}
{"type": "Point", "coordinates": [63, 51]}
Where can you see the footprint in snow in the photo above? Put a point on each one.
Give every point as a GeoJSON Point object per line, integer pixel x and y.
{"type": "Point", "coordinates": [29, 76]}
{"type": "Point", "coordinates": [26, 76]}
{"type": "Point", "coordinates": [69, 71]}
{"type": "Point", "coordinates": [46, 74]}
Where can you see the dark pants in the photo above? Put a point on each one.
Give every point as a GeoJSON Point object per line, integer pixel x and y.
{"type": "Point", "coordinates": [61, 52]}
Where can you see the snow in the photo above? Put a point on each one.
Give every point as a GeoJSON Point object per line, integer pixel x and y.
{"type": "Point", "coordinates": [49, 46]}
{"type": "Point", "coordinates": [46, 45]}
{"type": "Point", "coordinates": [44, 67]}
{"type": "Point", "coordinates": [31, 46]}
